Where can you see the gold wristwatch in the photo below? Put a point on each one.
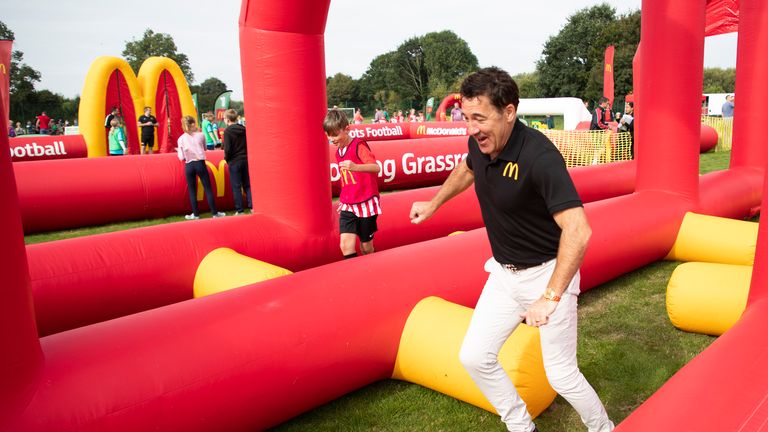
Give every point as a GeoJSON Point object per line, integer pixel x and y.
{"type": "Point", "coordinates": [550, 295]}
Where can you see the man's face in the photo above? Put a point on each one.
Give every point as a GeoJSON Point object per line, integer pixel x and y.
{"type": "Point", "coordinates": [148, 111]}
{"type": "Point", "coordinates": [490, 127]}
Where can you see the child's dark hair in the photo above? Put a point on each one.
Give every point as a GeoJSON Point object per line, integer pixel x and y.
{"type": "Point", "coordinates": [335, 122]}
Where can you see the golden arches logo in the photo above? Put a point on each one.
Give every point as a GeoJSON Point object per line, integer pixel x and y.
{"type": "Point", "coordinates": [3, 68]}
{"type": "Point", "coordinates": [608, 67]}
{"type": "Point", "coordinates": [421, 130]}
{"type": "Point", "coordinates": [218, 179]}
{"type": "Point", "coordinates": [511, 170]}
{"type": "Point", "coordinates": [344, 179]}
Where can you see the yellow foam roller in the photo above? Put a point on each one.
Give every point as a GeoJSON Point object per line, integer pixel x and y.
{"type": "Point", "coordinates": [715, 240]}
{"type": "Point", "coordinates": [429, 356]}
{"type": "Point", "coordinates": [224, 269]}
{"type": "Point", "coordinates": [707, 298]}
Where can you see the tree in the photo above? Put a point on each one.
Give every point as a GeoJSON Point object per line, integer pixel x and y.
{"type": "Point", "coordinates": [417, 68]}
{"type": "Point", "coordinates": [22, 80]}
{"type": "Point", "coordinates": [207, 92]}
{"type": "Point", "coordinates": [343, 91]}
{"type": "Point", "coordinates": [624, 35]}
{"type": "Point", "coordinates": [156, 44]}
{"type": "Point", "coordinates": [568, 58]}
{"type": "Point", "coordinates": [528, 84]}
{"type": "Point", "coordinates": [717, 80]}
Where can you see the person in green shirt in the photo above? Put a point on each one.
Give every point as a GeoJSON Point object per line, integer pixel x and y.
{"type": "Point", "coordinates": [117, 142]}
{"type": "Point", "coordinates": [211, 132]}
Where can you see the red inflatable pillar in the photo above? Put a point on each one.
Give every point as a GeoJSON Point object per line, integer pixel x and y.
{"type": "Point", "coordinates": [751, 69]}
{"type": "Point", "coordinates": [669, 96]}
{"type": "Point", "coordinates": [283, 64]}
{"type": "Point", "coordinates": [21, 358]}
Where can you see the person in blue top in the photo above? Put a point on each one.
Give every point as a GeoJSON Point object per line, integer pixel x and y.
{"type": "Point", "coordinates": [728, 106]}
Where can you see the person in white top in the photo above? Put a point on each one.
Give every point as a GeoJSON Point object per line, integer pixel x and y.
{"type": "Point", "coordinates": [191, 150]}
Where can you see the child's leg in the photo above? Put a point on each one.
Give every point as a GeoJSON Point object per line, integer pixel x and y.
{"type": "Point", "coordinates": [367, 247]}
{"type": "Point", "coordinates": [347, 243]}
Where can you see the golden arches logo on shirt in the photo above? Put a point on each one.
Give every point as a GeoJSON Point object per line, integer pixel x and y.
{"type": "Point", "coordinates": [3, 68]}
{"type": "Point", "coordinates": [347, 180]}
{"type": "Point", "coordinates": [511, 170]}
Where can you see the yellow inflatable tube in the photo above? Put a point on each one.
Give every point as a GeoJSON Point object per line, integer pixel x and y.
{"type": "Point", "coordinates": [716, 240]}
{"type": "Point", "coordinates": [93, 101]}
{"type": "Point", "coordinates": [429, 356]}
{"type": "Point", "coordinates": [707, 298]}
{"type": "Point", "coordinates": [224, 269]}
{"type": "Point", "coordinates": [149, 78]}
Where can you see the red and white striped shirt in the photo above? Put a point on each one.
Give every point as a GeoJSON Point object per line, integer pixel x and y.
{"type": "Point", "coordinates": [364, 209]}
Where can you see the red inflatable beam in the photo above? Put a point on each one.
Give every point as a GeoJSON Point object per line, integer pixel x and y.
{"type": "Point", "coordinates": [28, 148]}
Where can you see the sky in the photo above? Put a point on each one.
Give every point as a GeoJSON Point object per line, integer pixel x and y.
{"type": "Point", "coordinates": [61, 40]}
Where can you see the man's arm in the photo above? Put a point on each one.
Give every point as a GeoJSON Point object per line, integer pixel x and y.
{"type": "Point", "coordinates": [458, 181]}
{"type": "Point", "coordinates": [573, 244]}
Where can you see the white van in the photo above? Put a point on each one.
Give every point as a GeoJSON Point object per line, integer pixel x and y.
{"type": "Point", "coordinates": [713, 103]}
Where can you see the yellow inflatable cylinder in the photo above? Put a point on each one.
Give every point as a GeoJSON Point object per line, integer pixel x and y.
{"type": "Point", "coordinates": [715, 240]}
{"type": "Point", "coordinates": [707, 298]}
{"type": "Point", "coordinates": [224, 269]}
{"type": "Point", "coordinates": [429, 356]}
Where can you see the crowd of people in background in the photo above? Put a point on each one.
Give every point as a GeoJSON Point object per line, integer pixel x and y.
{"type": "Point", "coordinates": [382, 115]}
{"type": "Point", "coordinates": [42, 125]}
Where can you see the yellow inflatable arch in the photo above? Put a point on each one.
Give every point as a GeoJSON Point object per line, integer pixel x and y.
{"type": "Point", "coordinates": [110, 82]}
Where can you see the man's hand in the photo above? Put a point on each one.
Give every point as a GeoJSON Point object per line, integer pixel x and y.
{"type": "Point", "coordinates": [421, 211]}
{"type": "Point", "coordinates": [538, 314]}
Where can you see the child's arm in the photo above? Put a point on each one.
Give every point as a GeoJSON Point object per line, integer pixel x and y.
{"type": "Point", "coordinates": [369, 161]}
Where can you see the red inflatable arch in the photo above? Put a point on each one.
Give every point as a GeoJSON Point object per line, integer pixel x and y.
{"type": "Point", "coordinates": [441, 113]}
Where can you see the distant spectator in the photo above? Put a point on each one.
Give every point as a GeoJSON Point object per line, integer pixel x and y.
{"type": "Point", "coordinates": [11, 130]}
{"type": "Point", "coordinates": [148, 124]}
{"type": "Point", "coordinates": [108, 119]}
{"type": "Point", "coordinates": [601, 116]}
{"type": "Point", "coordinates": [19, 130]}
{"type": "Point", "coordinates": [378, 116]}
{"type": "Point", "coordinates": [43, 123]}
{"type": "Point", "coordinates": [30, 128]}
{"type": "Point", "coordinates": [550, 121]}
{"type": "Point", "coordinates": [728, 106]}
{"type": "Point", "coordinates": [456, 113]}
{"type": "Point", "coordinates": [412, 115]}
{"type": "Point", "coordinates": [420, 117]}
{"type": "Point", "coordinates": [211, 132]}
{"type": "Point", "coordinates": [358, 116]}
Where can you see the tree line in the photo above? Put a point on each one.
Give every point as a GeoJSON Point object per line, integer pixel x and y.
{"type": "Point", "coordinates": [422, 67]}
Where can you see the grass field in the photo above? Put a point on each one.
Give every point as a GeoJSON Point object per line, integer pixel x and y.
{"type": "Point", "coordinates": [627, 350]}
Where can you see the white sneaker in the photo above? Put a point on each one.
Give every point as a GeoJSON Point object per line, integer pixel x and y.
{"type": "Point", "coordinates": [219, 214]}
{"type": "Point", "coordinates": [239, 213]}
{"type": "Point", "coordinates": [191, 217]}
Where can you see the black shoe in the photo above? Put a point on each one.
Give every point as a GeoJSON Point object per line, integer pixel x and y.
{"type": "Point", "coordinates": [535, 429]}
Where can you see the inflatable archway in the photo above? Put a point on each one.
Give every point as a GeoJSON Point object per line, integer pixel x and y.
{"type": "Point", "coordinates": [111, 82]}
{"type": "Point", "coordinates": [440, 113]}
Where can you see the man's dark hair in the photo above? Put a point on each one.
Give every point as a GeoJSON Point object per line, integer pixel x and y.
{"type": "Point", "coordinates": [602, 100]}
{"type": "Point", "coordinates": [494, 83]}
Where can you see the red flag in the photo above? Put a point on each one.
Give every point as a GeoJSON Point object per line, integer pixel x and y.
{"type": "Point", "coordinates": [5, 80]}
{"type": "Point", "coordinates": [608, 75]}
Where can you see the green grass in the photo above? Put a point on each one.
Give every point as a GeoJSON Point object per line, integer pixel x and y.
{"type": "Point", "coordinates": [80, 232]}
{"type": "Point", "coordinates": [627, 350]}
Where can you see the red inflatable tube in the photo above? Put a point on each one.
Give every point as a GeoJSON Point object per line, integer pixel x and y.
{"type": "Point", "coordinates": [396, 131]}
{"type": "Point", "coordinates": [61, 194]}
{"type": "Point", "coordinates": [28, 148]}
{"type": "Point", "coordinates": [411, 163]}
{"type": "Point", "coordinates": [67, 275]}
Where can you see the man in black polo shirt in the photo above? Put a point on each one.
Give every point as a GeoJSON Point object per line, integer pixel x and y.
{"type": "Point", "coordinates": [538, 232]}
{"type": "Point", "coordinates": [148, 123]}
